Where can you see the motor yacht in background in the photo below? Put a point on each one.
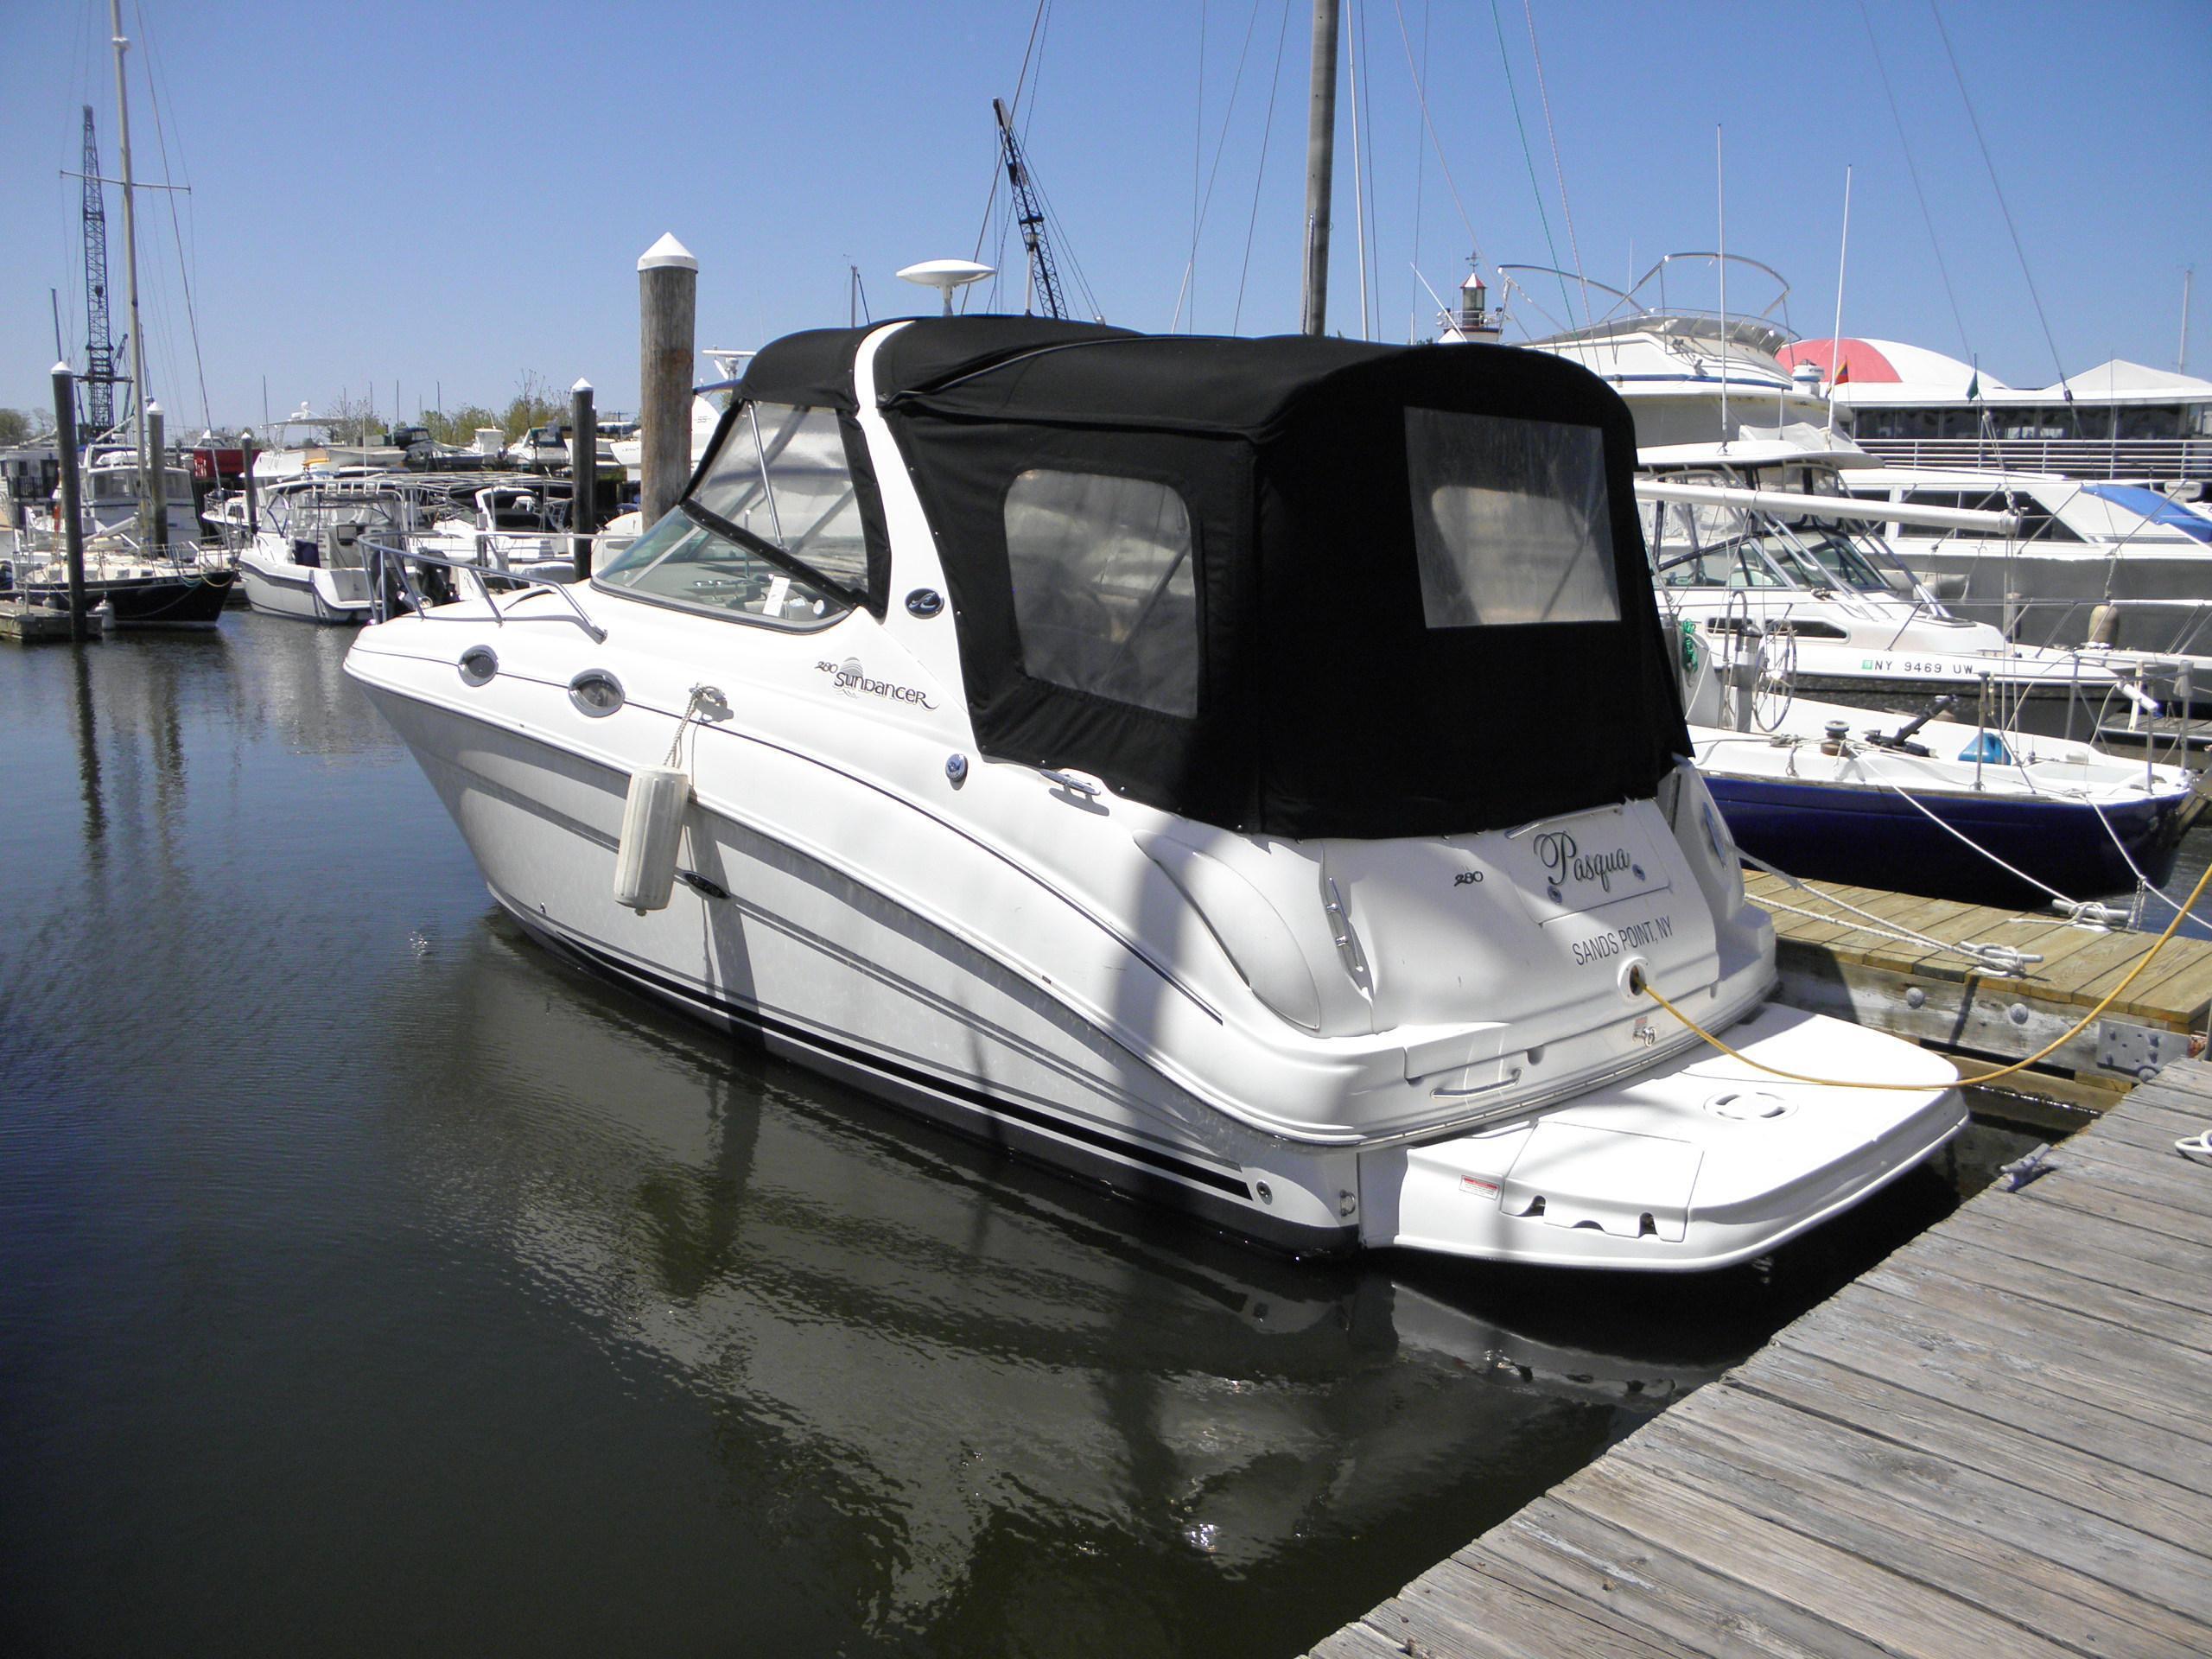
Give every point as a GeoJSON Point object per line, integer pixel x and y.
{"type": "Point", "coordinates": [968, 734]}
{"type": "Point", "coordinates": [1688, 375]}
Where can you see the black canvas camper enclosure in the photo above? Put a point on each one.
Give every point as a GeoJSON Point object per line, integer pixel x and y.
{"type": "Point", "coordinates": [1287, 585]}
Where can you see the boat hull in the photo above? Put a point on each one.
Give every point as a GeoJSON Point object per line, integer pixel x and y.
{"type": "Point", "coordinates": [768, 943]}
{"type": "Point", "coordinates": [304, 593]}
{"type": "Point", "coordinates": [1875, 837]}
{"type": "Point", "coordinates": [159, 602]}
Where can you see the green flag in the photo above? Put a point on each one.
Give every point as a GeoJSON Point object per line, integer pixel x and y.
{"type": "Point", "coordinates": [1973, 386]}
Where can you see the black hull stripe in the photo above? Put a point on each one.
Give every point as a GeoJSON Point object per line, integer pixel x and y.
{"type": "Point", "coordinates": [1136, 1152]}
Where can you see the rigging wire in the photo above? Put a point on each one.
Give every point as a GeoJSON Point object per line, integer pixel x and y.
{"type": "Point", "coordinates": [1529, 156]}
{"type": "Point", "coordinates": [1029, 52]}
{"type": "Point", "coordinates": [1359, 198]}
{"type": "Point", "coordinates": [2012, 229]}
{"type": "Point", "coordinates": [1574, 246]}
{"type": "Point", "coordinates": [1935, 243]}
{"type": "Point", "coordinates": [1190, 268]}
{"type": "Point", "coordinates": [177, 232]}
{"type": "Point", "coordinates": [1198, 160]}
{"type": "Point", "coordinates": [1266, 140]}
{"type": "Point", "coordinates": [1421, 96]}
{"type": "Point", "coordinates": [1372, 240]}
{"type": "Point", "coordinates": [1421, 173]}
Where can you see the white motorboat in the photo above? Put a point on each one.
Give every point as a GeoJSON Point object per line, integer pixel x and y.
{"type": "Point", "coordinates": [516, 524]}
{"type": "Point", "coordinates": [1759, 536]}
{"type": "Point", "coordinates": [1243, 771]}
{"type": "Point", "coordinates": [1689, 375]}
{"type": "Point", "coordinates": [2095, 563]}
{"type": "Point", "coordinates": [307, 558]}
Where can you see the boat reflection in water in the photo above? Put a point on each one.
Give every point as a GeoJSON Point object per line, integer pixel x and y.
{"type": "Point", "coordinates": [960, 1397]}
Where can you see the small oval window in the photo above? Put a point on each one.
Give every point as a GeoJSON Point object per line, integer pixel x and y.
{"type": "Point", "coordinates": [596, 693]}
{"type": "Point", "coordinates": [477, 665]}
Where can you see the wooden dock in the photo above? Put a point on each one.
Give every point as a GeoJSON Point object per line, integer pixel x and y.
{"type": "Point", "coordinates": [1997, 1442]}
{"type": "Point", "coordinates": [1858, 971]}
{"type": "Point", "coordinates": [30, 625]}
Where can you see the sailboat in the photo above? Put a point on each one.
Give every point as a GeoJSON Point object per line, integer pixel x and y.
{"type": "Point", "coordinates": [141, 544]}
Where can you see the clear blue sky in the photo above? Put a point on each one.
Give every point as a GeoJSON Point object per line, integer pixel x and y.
{"type": "Point", "coordinates": [452, 195]}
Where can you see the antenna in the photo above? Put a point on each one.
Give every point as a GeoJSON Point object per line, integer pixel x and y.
{"type": "Point", "coordinates": [945, 275]}
{"type": "Point", "coordinates": [1835, 340]}
{"type": "Point", "coordinates": [1720, 206]}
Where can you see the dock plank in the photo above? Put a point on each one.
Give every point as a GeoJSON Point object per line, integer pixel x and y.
{"type": "Point", "coordinates": [1679, 1600]}
{"type": "Point", "coordinates": [1831, 1583]}
{"type": "Point", "coordinates": [1828, 1393]}
{"type": "Point", "coordinates": [1891, 1506]}
{"type": "Point", "coordinates": [1993, 1442]}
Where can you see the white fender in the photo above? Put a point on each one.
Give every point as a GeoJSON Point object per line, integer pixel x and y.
{"type": "Point", "coordinates": [652, 829]}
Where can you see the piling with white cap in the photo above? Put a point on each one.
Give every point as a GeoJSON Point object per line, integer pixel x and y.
{"type": "Point", "coordinates": [668, 291]}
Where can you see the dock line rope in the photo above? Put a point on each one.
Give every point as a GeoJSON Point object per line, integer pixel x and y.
{"type": "Point", "coordinates": [1998, 958]}
{"type": "Point", "coordinates": [1642, 982]}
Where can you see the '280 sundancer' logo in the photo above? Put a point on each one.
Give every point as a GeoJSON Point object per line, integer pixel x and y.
{"type": "Point", "coordinates": [850, 678]}
{"type": "Point", "coordinates": [1563, 861]}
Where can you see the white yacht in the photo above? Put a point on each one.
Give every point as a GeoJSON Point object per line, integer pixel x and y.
{"type": "Point", "coordinates": [1689, 375]}
{"type": "Point", "coordinates": [302, 443]}
{"type": "Point", "coordinates": [2094, 562]}
{"type": "Point", "coordinates": [1247, 773]}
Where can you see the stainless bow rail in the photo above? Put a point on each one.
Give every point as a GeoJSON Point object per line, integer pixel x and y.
{"type": "Point", "coordinates": [391, 574]}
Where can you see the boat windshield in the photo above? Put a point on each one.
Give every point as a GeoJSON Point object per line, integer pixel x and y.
{"type": "Point", "coordinates": [780, 482]}
{"type": "Point", "coordinates": [1840, 558]}
{"type": "Point", "coordinates": [684, 562]}
{"type": "Point", "coordinates": [1699, 546]}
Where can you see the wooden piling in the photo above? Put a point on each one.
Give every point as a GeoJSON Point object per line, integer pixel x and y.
{"type": "Point", "coordinates": [156, 532]}
{"type": "Point", "coordinates": [584, 474]}
{"type": "Point", "coordinates": [668, 287]}
{"type": "Point", "coordinates": [73, 528]}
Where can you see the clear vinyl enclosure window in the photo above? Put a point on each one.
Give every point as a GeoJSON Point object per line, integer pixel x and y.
{"type": "Point", "coordinates": [1511, 523]}
{"type": "Point", "coordinates": [1105, 600]}
{"type": "Point", "coordinates": [781, 475]}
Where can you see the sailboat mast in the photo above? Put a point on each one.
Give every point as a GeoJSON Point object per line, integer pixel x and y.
{"type": "Point", "coordinates": [1320, 166]}
{"type": "Point", "coordinates": [131, 271]}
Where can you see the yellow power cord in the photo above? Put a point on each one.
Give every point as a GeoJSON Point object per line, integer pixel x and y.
{"type": "Point", "coordinates": [2172, 927]}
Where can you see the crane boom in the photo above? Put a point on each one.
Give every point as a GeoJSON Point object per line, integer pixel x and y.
{"type": "Point", "coordinates": [1029, 214]}
{"type": "Point", "coordinates": [99, 351]}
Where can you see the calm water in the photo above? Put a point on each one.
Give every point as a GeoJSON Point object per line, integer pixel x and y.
{"type": "Point", "coordinates": [369, 1281]}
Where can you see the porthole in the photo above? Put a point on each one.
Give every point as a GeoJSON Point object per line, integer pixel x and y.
{"type": "Point", "coordinates": [596, 693]}
{"type": "Point", "coordinates": [477, 665]}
